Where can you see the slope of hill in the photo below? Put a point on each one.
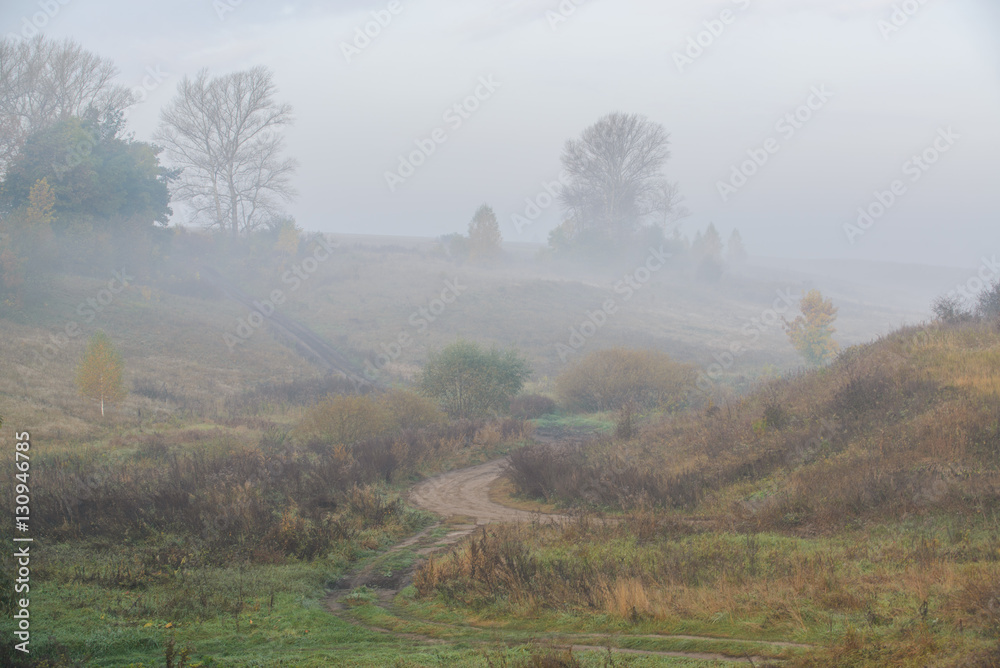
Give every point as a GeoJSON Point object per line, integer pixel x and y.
{"type": "Point", "coordinates": [742, 523]}
{"type": "Point", "coordinates": [177, 331]}
{"type": "Point", "coordinates": [855, 508]}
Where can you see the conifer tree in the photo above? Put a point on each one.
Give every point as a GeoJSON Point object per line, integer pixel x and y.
{"type": "Point", "coordinates": [484, 233]}
{"type": "Point", "coordinates": [736, 252]}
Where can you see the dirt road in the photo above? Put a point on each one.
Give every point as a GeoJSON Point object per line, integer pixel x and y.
{"type": "Point", "coordinates": [466, 493]}
{"type": "Point", "coordinates": [462, 499]}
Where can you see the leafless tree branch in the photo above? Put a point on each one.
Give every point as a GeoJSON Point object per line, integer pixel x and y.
{"type": "Point", "coordinates": [615, 172]}
{"type": "Point", "coordinates": [226, 135]}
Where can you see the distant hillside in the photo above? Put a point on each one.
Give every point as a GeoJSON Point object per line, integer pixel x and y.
{"type": "Point", "coordinates": [909, 424]}
{"type": "Point", "coordinates": [908, 288]}
{"type": "Point", "coordinates": [379, 301]}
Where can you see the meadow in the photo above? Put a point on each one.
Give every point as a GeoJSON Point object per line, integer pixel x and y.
{"type": "Point", "coordinates": [846, 516]}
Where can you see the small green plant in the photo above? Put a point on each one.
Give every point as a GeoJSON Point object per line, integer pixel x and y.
{"type": "Point", "coordinates": [176, 658]}
{"type": "Point", "coordinates": [360, 596]}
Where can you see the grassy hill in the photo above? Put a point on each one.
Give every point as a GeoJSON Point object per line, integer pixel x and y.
{"type": "Point", "coordinates": [913, 416]}
{"type": "Point", "coordinates": [171, 325]}
{"type": "Point", "coordinates": [854, 509]}
{"type": "Point", "coordinates": [199, 512]}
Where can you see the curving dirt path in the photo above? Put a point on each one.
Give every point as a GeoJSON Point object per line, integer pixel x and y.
{"type": "Point", "coordinates": [466, 493]}
{"type": "Point", "coordinates": [462, 499]}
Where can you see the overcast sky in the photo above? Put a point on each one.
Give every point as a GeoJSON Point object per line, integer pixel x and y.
{"type": "Point", "coordinates": [892, 94]}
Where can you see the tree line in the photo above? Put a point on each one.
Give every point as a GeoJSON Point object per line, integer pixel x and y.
{"type": "Point", "coordinates": [615, 197]}
{"type": "Point", "coordinates": [73, 174]}
{"type": "Point", "coordinates": [219, 151]}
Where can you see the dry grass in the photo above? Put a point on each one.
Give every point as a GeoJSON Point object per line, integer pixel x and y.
{"type": "Point", "coordinates": [885, 432]}
{"type": "Point", "coordinates": [873, 598]}
{"type": "Point", "coordinates": [857, 506]}
{"type": "Point", "coordinates": [178, 341]}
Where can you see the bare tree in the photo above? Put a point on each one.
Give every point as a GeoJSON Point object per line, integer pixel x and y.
{"type": "Point", "coordinates": [667, 205]}
{"type": "Point", "coordinates": [225, 133]}
{"type": "Point", "coordinates": [43, 81]}
{"type": "Point", "coordinates": [615, 172]}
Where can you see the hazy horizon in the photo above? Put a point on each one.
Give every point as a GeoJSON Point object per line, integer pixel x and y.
{"type": "Point", "coordinates": [883, 96]}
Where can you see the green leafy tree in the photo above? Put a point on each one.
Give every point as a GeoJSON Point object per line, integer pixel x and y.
{"type": "Point", "coordinates": [812, 332]}
{"type": "Point", "coordinates": [97, 176]}
{"type": "Point", "coordinates": [484, 233]}
{"type": "Point", "coordinates": [470, 381]}
{"type": "Point", "coordinates": [99, 376]}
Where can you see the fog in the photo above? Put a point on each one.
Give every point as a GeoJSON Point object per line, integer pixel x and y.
{"type": "Point", "coordinates": [557, 68]}
{"type": "Point", "coordinates": [500, 333]}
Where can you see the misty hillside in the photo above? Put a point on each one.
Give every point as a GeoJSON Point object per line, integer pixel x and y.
{"type": "Point", "coordinates": [504, 334]}
{"type": "Point", "coordinates": [906, 425]}
{"type": "Point", "coordinates": [174, 327]}
{"type": "Point", "coordinates": [869, 490]}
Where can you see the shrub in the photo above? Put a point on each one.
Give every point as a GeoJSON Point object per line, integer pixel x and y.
{"type": "Point", "coordinates": [347, 419]}
{"type": "Point", "coordinates": [302, 392]}
{"type": "Point", "coordinates": [625, 422]}
{"type": "Point", "coordinates": [612, 479]}
{"type": "Point", "coordinates": [610, 379]}
{"type": "Point", "coordinates": [455, 246]}
{"type": "Point", "coordinates": [951, 310]}
{"type": "Point", "coordinates": [531, 406]}
{"type": "Point", "coordinates": [868, 387]}
{"type": "Point", "coordinates": [988, 303]}
{"type": "Point", "coordinates": [536, 470]}
{"type": "Point", "coordinates": [470, 381]}
{"type": "Point", "coordinates": [775, 415]}
{"type": "Point", "coordinates": [412, 411]}
{"type": "Point", "coordinates": [226, 498]}
{"type": "Point", "coordinates": [157, 391]}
